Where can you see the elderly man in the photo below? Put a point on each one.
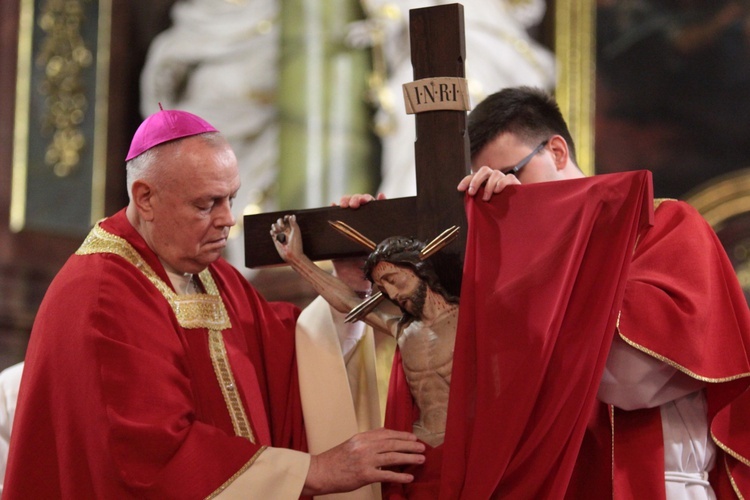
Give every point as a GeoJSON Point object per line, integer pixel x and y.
{"type": "Point", "coordinates": [155, 370]}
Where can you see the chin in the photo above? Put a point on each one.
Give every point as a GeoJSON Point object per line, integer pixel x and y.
{"type": "Point", "coordinates": [201, 263]}
{"type": "Point", "coordinates": [210, 258]}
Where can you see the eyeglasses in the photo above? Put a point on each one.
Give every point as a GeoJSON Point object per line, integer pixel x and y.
{"type": "Point", "coordinates": [526, 159]}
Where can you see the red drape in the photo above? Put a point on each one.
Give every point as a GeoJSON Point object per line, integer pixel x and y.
{"type": "Point", "coordinates": [543, 281]}
{"type": "Point", "coordinates": [544, 277]}
{"type": "Point", "coordinates": [683, 304]}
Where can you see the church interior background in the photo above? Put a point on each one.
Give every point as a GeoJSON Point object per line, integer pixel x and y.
{"type": "Point", "coordinates": [308, 93]}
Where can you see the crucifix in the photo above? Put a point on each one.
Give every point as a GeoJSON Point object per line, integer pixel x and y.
{"type": "Point", "coordinates": [439, 101]}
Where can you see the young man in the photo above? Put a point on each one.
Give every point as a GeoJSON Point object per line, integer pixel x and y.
{"type": "Point", "coordinates": [155, 370]}
{"type": "Point", "coordinates": [675, 383]}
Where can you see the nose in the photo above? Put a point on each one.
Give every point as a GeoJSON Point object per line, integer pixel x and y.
{"type": "Point", "coordinates": [224, 216]}
{"type": "Point", "coordinates": [389, 290]}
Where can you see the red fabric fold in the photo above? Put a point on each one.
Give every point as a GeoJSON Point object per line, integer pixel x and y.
{"type": "Point", "coordinates": [543, 281]}
{"type": "Point", "coordinates": [684, 306]}
{"type": "Point", "coordinates": [548, 268]}
{"type": "Point", "coordinates": [638, 469]}
{"type": "Point", "coordinates": [400, 414]}
{"type": "Point", "coordinates": [683, 292]}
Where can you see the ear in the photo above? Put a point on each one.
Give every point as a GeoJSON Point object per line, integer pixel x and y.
{"type": "Point", "coordinates": [560, 152]}
{"type": "Point", "coordinates": [142, 196]}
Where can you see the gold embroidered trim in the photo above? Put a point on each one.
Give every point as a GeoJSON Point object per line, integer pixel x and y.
{"type": "Point", "coordinates": [731, 480]}
{"type": "Point", "coordinates": [200, 310]}
{"type": "Point", "coordinates": [677, 365]}
{"type": "Point", "coordinates": [237, 474]}
{"type": "Point", "coordinates": [659, 201]}
{"type": "Point", "coordinates": [228, 386]}
{"type": "Point", "coordinates": [668, 361]}
{"type": "Point", "coordinates": [730, 451]}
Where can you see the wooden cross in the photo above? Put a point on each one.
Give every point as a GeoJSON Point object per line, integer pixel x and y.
{"type": "Point", "coordinates": [442, 160]}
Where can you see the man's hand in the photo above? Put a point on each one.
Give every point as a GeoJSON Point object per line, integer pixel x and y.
{"type": "Point", "coordinates": [357, 200]}
{"type": "Point", "coordinates": [494, 181]}
{"type": "Point", "coordinates": [362, 460]}
{"type": "Point", "coordinates": [286, 238]}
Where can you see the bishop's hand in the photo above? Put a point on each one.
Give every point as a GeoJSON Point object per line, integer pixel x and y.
{"type": "Point", "coordinates": [287, 238]}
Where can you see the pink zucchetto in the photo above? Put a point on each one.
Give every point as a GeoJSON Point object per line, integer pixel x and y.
{"type": "Point", "coordinates": [164, 126]}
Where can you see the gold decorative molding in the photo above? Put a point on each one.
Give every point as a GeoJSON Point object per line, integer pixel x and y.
{"type": "Point", "coordinates": [21, 122]}
{"type": "Point", "coordinates": [575, 42]}
{"type": "Point", "coordinates": [101, 111]}
{"type": "Point", "coordinates": [61, 110]}
{"type": "Point", "coordinates": [63, 55]}
{"type": "Point", "coordinates": [721, 202]}
{"type": "Point", "coordinates": [723, 198]}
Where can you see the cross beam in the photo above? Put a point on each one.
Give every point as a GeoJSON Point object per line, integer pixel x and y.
{"type": "Point", "coordinates": [442, 160]}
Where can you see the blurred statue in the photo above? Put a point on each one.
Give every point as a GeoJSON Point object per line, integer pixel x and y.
{"type": "Point", "coordinates": [500, 53]}
{"type": "Point", "coordinates": [226, 60]}
{"type": "Point", "coordinates": [219, 61]}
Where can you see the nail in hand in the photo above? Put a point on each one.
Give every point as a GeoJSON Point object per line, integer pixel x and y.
{"type": "Point", "coordinates": [281, 238]}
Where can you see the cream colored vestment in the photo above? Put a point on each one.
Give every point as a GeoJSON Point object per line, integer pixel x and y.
{"type": "Point", "coordinates": [340, 397]}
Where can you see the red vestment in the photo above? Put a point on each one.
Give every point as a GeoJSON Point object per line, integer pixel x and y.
{"type": "Point", "coordinates": [543, 280]}
{"type": "Point", "coordinates": [548, 269]}
{"type": "Point", "coordinates": [122, 392]}
{"type": "Point", "coordinates": [684, 306]}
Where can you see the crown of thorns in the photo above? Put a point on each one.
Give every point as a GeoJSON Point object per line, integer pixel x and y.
{"type": "Point", "coordinates": [431, 248]}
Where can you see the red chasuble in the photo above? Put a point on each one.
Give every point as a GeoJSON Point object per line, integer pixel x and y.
{"type": "Point", "coordinates": [543, 281]}
{"type": "Point", "coordinates": [684, 306]}
{"type": "Point", "coordinates": [131, 391]}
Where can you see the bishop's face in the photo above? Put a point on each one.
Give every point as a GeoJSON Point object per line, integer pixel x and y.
{"type": "Point", "coordinates": [402, 286]}
{"type": "Point", "coordinates": [191, 204]}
